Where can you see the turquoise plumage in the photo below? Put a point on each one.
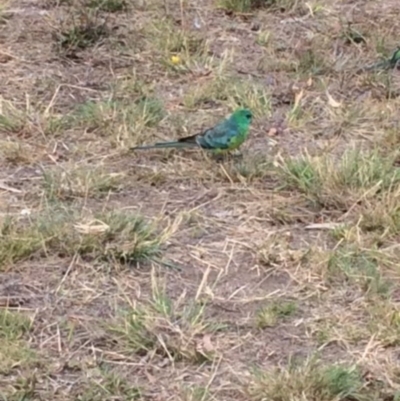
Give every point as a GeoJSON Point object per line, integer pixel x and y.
{"type": "Point", "coordinates": [225, 136]}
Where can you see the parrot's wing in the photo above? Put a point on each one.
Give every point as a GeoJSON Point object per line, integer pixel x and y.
{"type": "Point", "coordinates": [218, 137]}
{"type": "Point", "coordinates": [189, 139]}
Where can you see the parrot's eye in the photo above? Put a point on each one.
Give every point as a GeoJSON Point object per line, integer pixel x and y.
{"type": "Point", "coordinates": [248, 115]}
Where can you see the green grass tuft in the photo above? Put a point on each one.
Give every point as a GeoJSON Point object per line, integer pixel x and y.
{"type": "Point", "coordinates": [164, 327]}
{"type": "Point", "coordinates": [116, 236]}
{"type": "Point", "coordinates": [340, 182]}
{"type": "Point", "coordinates": [14, 352]}
{"type": "Point", "coordinates": [243, 6]}
{"type": "Point", "coordinates": [108, 384]}
{"type": "Point", "coordinates": [360, 267]}
{"type": "Point", "coordinates": [268, 316]}
{"type": "Point", "coordinates": [122, 121]}
{"type": "Point", "coordinates": [307, 381]}
{"type": "Point", "coordinates": [84, 27]}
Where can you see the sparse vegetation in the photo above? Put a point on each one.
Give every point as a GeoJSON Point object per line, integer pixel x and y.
{"type": "Point", "coordinates": [165, 327]}
{"type": "Point", "coordinates": [22, 121]}
{"type": "Point", "coordinates": [111, 6]}
{"type": "Point", "coordinates": [84, 27]}
{"type": "Point", "coordinates": [65, 231]}
{"type": "Point", "coordinates": [268, 315]}
{"type": "Point", "coordinates": [15, 352]}
{"type": "Point", "coordinates": [107, 383]}
{"type": "Point", "coordinates": [80, 182]}
{"type": "Point", "coordinates": [310, 380]}
{"type": "Point", "coordinates": [120, 122]}
{"type": "Point", "coordinates": [251, 5]}
{"type": "Point", "coordinates": [266, 275]}
{"type": "Point", "coordinates": [357, 177]}
{"type": "Point", "coordinates": [232, 92]}
{"type": "Point", "coordinates": [360, 266]}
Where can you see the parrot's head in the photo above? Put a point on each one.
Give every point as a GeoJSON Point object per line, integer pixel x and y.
{"type": "Point", "coordinates": [243, 115]}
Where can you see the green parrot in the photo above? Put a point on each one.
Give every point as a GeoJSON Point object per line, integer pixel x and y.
{"type": "Point", "coordinates": [228, 135]}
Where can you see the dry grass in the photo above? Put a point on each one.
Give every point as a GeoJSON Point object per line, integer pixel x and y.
{"type": "Point", "coordinates": [171, 275]}
{"type": "Point", "coordinates": [66, 231]}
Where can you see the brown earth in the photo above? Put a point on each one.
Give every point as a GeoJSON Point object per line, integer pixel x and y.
{"type": "Point", "coordinates": [244, 301]}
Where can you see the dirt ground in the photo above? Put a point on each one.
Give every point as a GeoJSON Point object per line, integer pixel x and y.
{"type": "Point", "coordinates": [167, 274]}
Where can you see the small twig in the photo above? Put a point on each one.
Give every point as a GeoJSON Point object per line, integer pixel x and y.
{"type": "Point", "coordinates": [10, 189]}
{"type": "Point", "coordinates": [51, 104]}
{"type": "Point", "coordinates": [226, 174]}
{"type": "Point", "coordinates": [71, 265]}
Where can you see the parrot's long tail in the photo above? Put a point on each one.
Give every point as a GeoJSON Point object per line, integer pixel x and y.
{"type": "Point", "coordinates": [161, 145]}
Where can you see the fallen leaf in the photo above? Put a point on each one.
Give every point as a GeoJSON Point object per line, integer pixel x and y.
{"type": "Point", "coordinates": [297, 98]}
{"type": "Point", "coordinates": [323, 226]}
{"type": "Point", "coordinates": [331, 101]}
{"type": "Point", "coordinates": [205, 346]}
{"type": "Point", "coordinates": [272, 131]}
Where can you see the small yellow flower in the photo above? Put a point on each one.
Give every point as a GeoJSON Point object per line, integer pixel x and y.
{"type": "Point", "coordinates": [175, 60]}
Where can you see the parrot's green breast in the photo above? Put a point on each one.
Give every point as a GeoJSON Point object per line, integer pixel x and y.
{"type": "Point", "coordinates": [237, 140]}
